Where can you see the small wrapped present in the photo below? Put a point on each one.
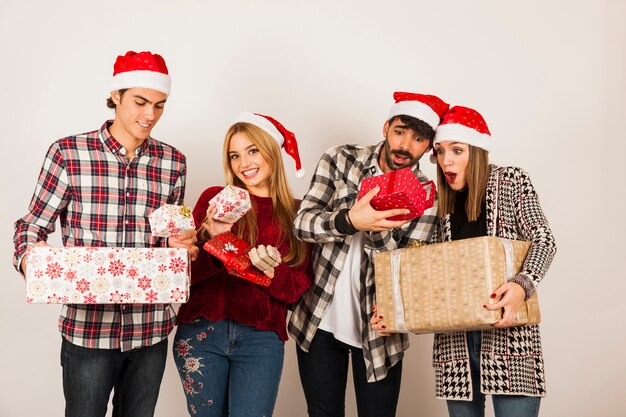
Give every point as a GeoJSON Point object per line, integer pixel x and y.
{"type": "Point", "coordinates": [90, 275]}
{"type": "Point", "coordinates": [400, 189]}
{"type": "Point", "coordinates": [171, 220]}
{"type": "Point", "coordinates": [231, 203]}
{"type": "Point", "coordinates": [442, 287]}
{"type": "Point", "coordinates": [233, 252]}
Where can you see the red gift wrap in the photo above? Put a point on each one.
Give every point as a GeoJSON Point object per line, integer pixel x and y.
{"type": "Point", "coordinates": [233, 252]}
{"type": "Point", "coordinates": [400, 189]}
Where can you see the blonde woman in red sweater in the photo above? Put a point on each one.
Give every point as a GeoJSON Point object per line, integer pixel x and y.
{"type": "Point", "coordinates": [229, 346]}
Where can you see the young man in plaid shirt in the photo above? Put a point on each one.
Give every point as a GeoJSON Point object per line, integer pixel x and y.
{"type": "Point", "coordinates": [332, 319]}
{"type": "Point", "coordinates": [102, 185]}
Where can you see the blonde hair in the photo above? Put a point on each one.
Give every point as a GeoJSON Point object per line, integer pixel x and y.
{"type": "Point", "coordinates": [285, 207]}
{"type": "Point", "coordinates": [477, 174]}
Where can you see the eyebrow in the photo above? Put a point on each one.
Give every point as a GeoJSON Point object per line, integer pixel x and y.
{"type": "Point", "coordinates": [146, 100]}
{"type": "Point", "coordinates": [252, 145]}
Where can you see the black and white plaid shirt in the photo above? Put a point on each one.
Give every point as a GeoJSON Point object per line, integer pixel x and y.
{"type": "Point", "coordinates": [335, 186]}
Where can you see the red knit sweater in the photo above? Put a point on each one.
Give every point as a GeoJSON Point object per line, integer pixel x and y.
{"type": "Point", "coordinates": [217, 295]}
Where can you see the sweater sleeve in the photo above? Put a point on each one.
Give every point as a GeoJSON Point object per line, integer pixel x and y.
{"type": "Point", "coordinates": [205, 265]}
{"type": "Point", "coordinates": [290, 282]}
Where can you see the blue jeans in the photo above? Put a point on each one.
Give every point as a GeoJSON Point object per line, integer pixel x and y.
{"type": "Point", "coordinates": [228, 369]}
{"type": "Point", "coordinates": [324, 375]}
{"type": "Point", "coordinates": [89, 376]}
{"type": "Point", "coordinates": [503, 405]}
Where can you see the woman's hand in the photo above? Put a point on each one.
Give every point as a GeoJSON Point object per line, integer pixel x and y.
{"type": "Point", "coordinates": [377, 323]}
{"type": "Point", "coordinates": [512, 297]}
{"type": "Point", "coordinates": [215, 227]}
{"type": "Point", "coordinates": [265, 259]}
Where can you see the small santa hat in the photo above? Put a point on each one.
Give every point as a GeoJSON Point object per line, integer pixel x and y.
{"type": "Point", "coordinates": [285, 138]}
{"type": "Point", "coordinates": [424, 107]}
{"type": "Point", "coordinates": [462, 124]}
{"type": "Point", "coordinates": [141, 70]}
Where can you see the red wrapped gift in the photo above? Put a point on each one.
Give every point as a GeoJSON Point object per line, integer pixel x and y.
{"type": "Point", "coordinates": [400, 189]}
{"type": "Point", "coordinates": [233, 251]}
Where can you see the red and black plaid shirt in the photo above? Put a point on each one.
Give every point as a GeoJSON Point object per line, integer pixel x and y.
{"type": "Point", "coordinates": [102, 199]}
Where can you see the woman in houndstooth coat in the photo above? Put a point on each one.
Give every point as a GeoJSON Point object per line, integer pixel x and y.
{"type": "Point", "coordinates": [479, 199]}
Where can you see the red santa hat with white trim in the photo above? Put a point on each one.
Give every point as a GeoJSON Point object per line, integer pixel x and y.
{"type": "Point", "coordinates": [284, 138]}
{"type": "Point", "coordinates": [425, 107]}
{"type": "Point", "coordinates": [141, 70]}
{"type": "Point", "coordinates": [465, 125]}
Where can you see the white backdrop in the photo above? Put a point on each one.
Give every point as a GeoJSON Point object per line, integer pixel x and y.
{"type": "Point", "coordinates": [547, 76]}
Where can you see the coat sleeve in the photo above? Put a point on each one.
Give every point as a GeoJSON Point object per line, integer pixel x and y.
{"type": "Point", "coordinates": [533, 227]}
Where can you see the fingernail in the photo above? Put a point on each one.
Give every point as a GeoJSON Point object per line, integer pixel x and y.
{"type": "Point", "coordinates": [383, 326]}
{"type": "Point", "coordinates": [493, 295]}
{"type": "Point", "coordinates": [484, 305]}
{"type": "Point", "coordinates": [380, 317]}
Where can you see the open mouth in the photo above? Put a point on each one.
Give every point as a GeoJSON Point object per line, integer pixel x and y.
{"type": "Point", "coordinates": [399, 159]}
{"type": "Point", "coordinates": [250, 172]}
{"type": "Point", "coordinates": [144, 125]}
{"type": "Point", "coordinates": [450, 177]}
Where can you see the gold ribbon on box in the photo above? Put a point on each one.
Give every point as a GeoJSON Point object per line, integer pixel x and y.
{"type": "Point", "coordinates": [185, 211]}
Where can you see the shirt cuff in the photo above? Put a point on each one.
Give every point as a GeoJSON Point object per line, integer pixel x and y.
{"type": "Point", "coordinates": [342, 224]}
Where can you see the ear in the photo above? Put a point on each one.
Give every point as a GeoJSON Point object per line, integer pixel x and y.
{"type": "Point", "coordinates": [116, 97]}
{"type": "Point", "coordinates": [385, 129]}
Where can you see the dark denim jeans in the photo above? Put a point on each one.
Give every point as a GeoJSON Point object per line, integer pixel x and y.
{"type": "Point", "coordinates": [503, 405]}
{"type": "Point", "coordinates": [89, 376]}
{"type": "Point", "coordinates": [324, 375]}
{"type": "Point", "coordinates": [228, 369]}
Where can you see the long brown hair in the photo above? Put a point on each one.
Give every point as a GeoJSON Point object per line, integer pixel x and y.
{"type": "Point", "coordinates": [477, 174]}
{"type": "Point", "coordinates": [285, 207]}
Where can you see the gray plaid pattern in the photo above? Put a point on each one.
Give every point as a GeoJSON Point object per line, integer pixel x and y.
{"type": "Point", "coordinates": [511, 360]}
{"type": "Point", "coordinates": [335, 186]}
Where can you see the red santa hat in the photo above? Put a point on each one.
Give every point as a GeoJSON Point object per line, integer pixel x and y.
{"type": "Point", "coordinates": [462, 124]}
{"type": "Point", "coordinates": [424, 107]}
{"type": "Point", "coordinates": [285, 138]}
{"type": "Point", "coordinates": [141, 70]}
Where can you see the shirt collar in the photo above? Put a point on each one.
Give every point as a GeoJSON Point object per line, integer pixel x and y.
{"type": "Point", "coordinates": [115, 147]}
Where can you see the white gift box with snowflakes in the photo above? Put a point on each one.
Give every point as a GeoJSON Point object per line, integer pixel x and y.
{"type": "Point", "coordinates": [171, 220]}
{"type": "Point", "coordinates": [231, 204]}
{"type": "Point", "coordinates": [90, 275]}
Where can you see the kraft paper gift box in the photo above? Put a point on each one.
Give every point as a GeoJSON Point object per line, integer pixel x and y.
{"type": "Point", "coordinates": [233, 252]}
{"type": "Point", "coordinates": [105, 275]}
{"type": "Point", "coordinates": [231, 204]}
{"type": "Point", "coordinates": [400, 189]}
{"type": "Point", "coordinates": [171, 220]}
{"type": "Point", "coordinates": [442, 287]}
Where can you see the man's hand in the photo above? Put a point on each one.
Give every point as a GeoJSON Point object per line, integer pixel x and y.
{"type": "Point", "coordinates": [187, 241]}
{"type": "Point", "coordinates": [364, 217]}
{"type": "Point", "coordinates": [25, 257]}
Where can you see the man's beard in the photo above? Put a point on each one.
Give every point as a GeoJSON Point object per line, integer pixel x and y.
{"type": "Point", "coordinates": [392, 165]}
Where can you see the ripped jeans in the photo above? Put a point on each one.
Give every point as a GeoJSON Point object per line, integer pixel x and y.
{"type": "Point", "coordinates": [228, 369]}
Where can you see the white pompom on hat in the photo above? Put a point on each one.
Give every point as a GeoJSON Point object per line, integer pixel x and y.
{"type": "Point", "coordinates": [425, 107]}
{"type": "Point", "coordinates": [141, 70]}
{"type": "Point", "coordinates": [465, 125]}
{"type": "Point", "coordinates": [284, 138]}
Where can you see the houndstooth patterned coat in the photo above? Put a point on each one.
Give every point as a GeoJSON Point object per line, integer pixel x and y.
{"type": "Point", "coordinates": [511, 361]}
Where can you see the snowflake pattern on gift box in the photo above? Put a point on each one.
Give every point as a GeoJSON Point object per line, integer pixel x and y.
{"type": "Point", "coordinates": [107, 275]}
